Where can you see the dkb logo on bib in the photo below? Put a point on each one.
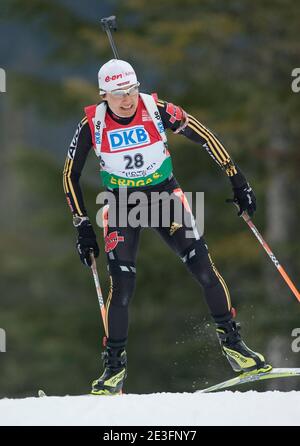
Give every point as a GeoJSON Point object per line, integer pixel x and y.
{"type": "Point", "coordinates": [128, 138]}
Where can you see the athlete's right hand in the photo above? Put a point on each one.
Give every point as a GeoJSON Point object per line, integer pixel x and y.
{"type": "Point", "coordinates": [86, 242]}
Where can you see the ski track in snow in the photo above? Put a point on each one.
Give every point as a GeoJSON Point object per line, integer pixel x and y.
{"type": "Point", "coordinates": [158, 409]}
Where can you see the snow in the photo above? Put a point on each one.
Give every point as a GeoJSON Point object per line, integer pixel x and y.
{"type": "Point", "coordinates": [159, 409]}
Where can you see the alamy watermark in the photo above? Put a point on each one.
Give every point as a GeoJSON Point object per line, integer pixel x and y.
{"type": "Point", "coordinates": [2, 81]}
{"type": "Point", "coordinates": [155, 209]}
{"type": "Point", "coordinates": [296, 342]}
{"type": "Point", "coordinates": [296, 82]}
{"type": "Point", "coordinates": [2, 341]}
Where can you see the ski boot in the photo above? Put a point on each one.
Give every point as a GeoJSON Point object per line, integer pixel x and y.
{"type": "Point", "coordinates": [240, 357]}
{"type": "Point", "coordinates": [112, 379]}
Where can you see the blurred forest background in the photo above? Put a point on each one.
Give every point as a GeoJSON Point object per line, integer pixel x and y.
{"type": "Point", "coordinates": [229, 63]}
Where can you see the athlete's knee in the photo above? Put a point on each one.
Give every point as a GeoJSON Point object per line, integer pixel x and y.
{"type": "Point", "coordinates": [198, 261]}
{"type": "Point", "coordinates": [122, 290]}
{"type": "Point", "coordinates": [123, 278]}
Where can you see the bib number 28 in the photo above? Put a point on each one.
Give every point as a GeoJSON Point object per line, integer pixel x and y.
{"type": "Point", "coordinates": [135, 161]}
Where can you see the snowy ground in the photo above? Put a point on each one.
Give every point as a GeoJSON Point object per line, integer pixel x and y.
{"type": "Point", "coordinates": [160, 409]}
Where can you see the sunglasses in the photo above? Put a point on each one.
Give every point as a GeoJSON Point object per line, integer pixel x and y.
{"type": "Point", "coordinates": [129, 91]}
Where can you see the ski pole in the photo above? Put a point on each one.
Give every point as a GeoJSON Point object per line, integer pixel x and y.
{"type": "Point", "coordinates": [99, 292]}
{"type": "Point", "coordinates": [109, 23]}
{"type": "Point", "coordinates": [266, 247]}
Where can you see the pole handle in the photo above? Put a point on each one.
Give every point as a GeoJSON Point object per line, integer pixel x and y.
{"type": "Point", "coordinates": [108, 24]}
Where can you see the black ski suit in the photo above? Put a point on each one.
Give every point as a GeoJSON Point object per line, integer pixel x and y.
{"type": "Point", "coordinates": [122, 242]}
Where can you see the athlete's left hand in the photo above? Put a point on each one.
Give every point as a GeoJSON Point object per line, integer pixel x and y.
{"type": "Point", "coordinates": [244, 198]}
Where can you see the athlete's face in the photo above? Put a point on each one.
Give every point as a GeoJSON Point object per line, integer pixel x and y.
{"type": "Point", "coordinates": [123, 104]}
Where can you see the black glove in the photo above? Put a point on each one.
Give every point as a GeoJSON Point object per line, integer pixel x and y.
{"type": "Point", "coordinates": [86, 242]}
{"type": "Point", "coordinates": [243, 195]}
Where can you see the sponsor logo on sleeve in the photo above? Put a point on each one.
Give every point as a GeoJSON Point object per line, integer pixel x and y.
{"type": "Point", "coordinates": [73, 145]}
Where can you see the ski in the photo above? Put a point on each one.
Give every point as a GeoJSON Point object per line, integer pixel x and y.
{"type": "Point", "coordinates": [244, 378]}
{"type": "Point", "coordinates": [42, 394]}
{"type": "Point", "coordinates": [253, 376]}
